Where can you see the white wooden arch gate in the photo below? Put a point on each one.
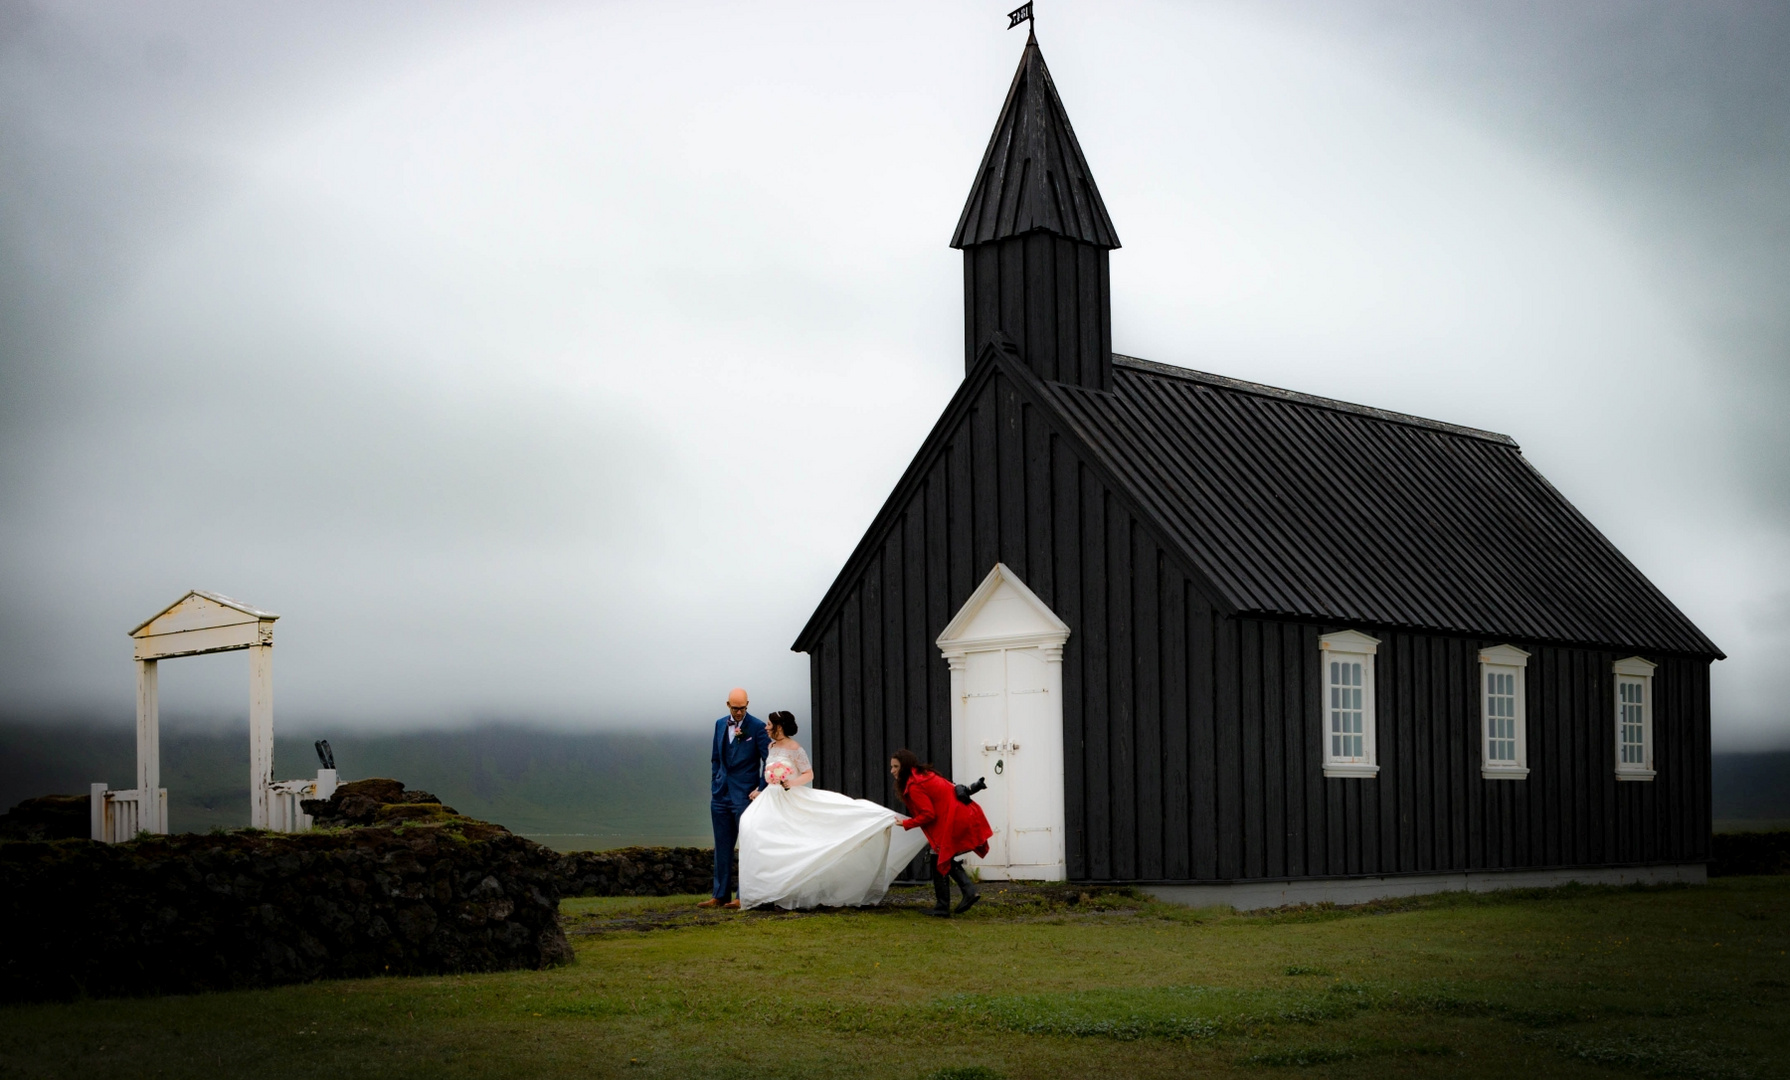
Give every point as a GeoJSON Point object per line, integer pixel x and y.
{"type": "Point", "coordinates": [196, 624]}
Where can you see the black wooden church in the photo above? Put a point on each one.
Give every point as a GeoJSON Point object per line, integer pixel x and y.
{"type": "Point", "coordinates": [1199, 632]}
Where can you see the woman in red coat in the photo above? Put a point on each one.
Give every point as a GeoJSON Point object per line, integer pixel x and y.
{"type": "Point", "coordinates": [953, 828]}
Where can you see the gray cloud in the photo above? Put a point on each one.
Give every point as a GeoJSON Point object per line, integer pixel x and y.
{"type": "Point", "coordinates": [545, 363]}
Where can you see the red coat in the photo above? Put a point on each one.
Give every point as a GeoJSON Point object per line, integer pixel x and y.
{"type": "Point", "coordinates": [952, 828]}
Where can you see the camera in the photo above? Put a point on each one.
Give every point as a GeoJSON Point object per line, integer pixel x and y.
{"type": "Point", "coordinates": [964, 793]}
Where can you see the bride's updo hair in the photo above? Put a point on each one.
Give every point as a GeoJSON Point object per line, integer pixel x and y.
{"type": "Point", "coordinates": [784, 720]}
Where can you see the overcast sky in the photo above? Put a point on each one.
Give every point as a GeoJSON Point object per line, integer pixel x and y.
{"type": "Point", "coordinates": [544, 362]}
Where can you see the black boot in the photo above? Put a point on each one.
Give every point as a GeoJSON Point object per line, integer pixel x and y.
{"type": "Point", "coordinates": [971, 894]}
{"type": "Point", "coordinates": [941, 893]}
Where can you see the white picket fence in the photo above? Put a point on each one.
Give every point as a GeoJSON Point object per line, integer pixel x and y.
{"type": "Point", "coordinates": [119, 815]}
{"type": "Point", "coordinates": [284, 814]}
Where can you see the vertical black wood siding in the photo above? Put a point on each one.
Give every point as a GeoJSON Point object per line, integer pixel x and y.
{"type": "Point", "coordinates": [1194, 739]}
{"type": "Point", "coordinates": [1050, 295]}
{"type": "Point", "coordinates": [1272, 813]}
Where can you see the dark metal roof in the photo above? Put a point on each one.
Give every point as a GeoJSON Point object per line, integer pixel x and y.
{"type": "Point", "coordinates": [1033, 176]}
{"type": "Point", "coordinates": [1293, 505]}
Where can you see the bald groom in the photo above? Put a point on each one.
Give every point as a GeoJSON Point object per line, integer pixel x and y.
{"type": "Point", "coordinates": [736, 777]}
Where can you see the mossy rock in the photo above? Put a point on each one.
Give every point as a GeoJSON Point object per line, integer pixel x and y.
{"type": "Point", "coordinates": [374, 801]}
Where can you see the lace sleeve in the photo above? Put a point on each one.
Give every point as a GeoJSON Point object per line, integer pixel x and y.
{"type": "Point", "coordinates": [802, 765]}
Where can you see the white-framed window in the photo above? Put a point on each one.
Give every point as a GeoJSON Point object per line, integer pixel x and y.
{"type": "Point", "coordinates": [1503, 742]}
{"type": "Point", "coordinates": [1634, 718]}
{"type": "Point", "coordinates": [1348, 660]}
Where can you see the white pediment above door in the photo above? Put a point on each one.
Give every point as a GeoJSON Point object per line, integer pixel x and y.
{"type": "Point", "coordinates": [1002, 613]}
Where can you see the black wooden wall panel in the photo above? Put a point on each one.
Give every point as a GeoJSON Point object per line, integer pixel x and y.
{"type": "Point", "coordinates": [1121, 726]}
{"type": "Point", "coordinates": [851, 696]}
{"type": "Point", "coordinates": [1202, 743]}
{"type": "Point", "coordinates": [1249, 685]}
{"type": "Point", "coordinates": [1177, 687]}
{"type": "Point", "coordinates": [1096, 679]}
{"type": "Point", "coordinates": [917, 692]}
{"type": "Point", "coordinates": [870, 777]}
{"type": "Point", "coordinates": [1146, 615]}
{"type": "Point", "coordinates": [1228, 753]}
{"type": "Point", "coordinates": [1317, 808]}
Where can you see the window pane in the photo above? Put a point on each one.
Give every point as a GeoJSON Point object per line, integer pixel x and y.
{"type": "Point", "coordinates": [1347, 717]}
{"type": "Point", "coordinates": [1631, 722]}
{"type": "Point", "coordinates": [1500, 716]}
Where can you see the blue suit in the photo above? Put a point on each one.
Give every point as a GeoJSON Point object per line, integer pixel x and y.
{"type": "Point", "coordinates": [736, 768]}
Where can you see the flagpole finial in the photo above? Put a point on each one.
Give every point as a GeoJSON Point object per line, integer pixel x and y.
{"type": "Point", "coordinates": [1023, 14]}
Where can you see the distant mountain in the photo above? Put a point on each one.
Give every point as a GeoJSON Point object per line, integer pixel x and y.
{"type": "Point", "coordinates": [1751, 788]}
{"type": "Point", "coordinates": [568, 790]}
{"type": "Point", "coordinates": [571, 791]}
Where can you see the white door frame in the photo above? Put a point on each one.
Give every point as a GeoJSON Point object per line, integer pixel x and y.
{"type": "Point", "coordinates": [1025, 623]}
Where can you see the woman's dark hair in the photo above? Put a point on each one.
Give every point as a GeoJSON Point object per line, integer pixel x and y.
{"type": "Point", "coordinates": [910, 762]}
{"type": "Point", "coordinates": [783, 719]}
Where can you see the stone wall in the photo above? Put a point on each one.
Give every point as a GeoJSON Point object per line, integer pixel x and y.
{"type": "Point", "coordinates": [195, 912]}
{"type": "Point", "coordinates": [1749, 853]}
{"type": "Point", "coordinates": [637, 871]}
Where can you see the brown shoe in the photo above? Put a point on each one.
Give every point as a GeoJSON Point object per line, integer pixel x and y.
{"type": "Point", "coordinates": [710, 902]}
{"type": "Point", "coordinates": [733, 905]}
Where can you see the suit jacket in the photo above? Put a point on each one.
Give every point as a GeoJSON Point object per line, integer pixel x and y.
{"type": "Point", "coordinates": [736, 766]}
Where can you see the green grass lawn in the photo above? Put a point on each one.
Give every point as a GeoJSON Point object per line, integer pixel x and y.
{"type": "Point", "coordinates": [1691, 982]}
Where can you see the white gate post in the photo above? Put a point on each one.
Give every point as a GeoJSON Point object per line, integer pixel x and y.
{"type": "Point", "coordinates": [149, 748]}
{"type": "Point", "coordinates": [260, 733]}
{"type": "Point", "coordinates": [96, 794]}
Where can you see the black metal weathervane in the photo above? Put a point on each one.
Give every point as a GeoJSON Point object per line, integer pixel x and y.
{"type": "Point", "coordinates": [1021, 14]}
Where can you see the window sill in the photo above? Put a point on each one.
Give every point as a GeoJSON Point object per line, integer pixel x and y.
{"type": "Point", "coordinates": [1351, 769]}
{"type": "Point", "coordinates": [1510, 772]}
{"type": "Point", "coordinates": [1634, 774]}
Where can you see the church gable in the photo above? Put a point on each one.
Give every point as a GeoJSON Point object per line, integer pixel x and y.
{"type": "Point", "coordinates": [1000, 479]}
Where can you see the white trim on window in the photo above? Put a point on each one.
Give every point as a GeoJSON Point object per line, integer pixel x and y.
{"type": "Point", "coordinates": [1347, 660]}
{"type": "Point", "coordinates": [1634, 718]}
{"type": "Point", "coordinates": [1503, 714]}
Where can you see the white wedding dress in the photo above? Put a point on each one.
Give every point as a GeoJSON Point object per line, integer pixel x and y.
{"type": "Point", "coordinates": [804, 848]}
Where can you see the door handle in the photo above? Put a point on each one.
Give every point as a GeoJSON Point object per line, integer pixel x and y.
{"type": "Point", "coordinates": [989, 747]}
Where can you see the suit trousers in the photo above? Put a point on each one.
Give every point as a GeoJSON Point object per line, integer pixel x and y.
{"type": "Point", "coordinates": [726, 820]}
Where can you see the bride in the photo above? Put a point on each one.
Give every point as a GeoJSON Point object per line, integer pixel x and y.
{"type": "Point", "coordinates": [803, 848]}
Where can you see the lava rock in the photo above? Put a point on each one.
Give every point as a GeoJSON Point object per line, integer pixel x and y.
{"type": "Point", "coordinates": [49, 817]}
{"type": "Point", "coordinates": [637, 871]}
{"type": "Point", "coordinates": [191, 912]}
{"type": "Point", "coordinates": [360, 803]}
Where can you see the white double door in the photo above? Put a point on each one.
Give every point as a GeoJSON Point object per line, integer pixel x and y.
{"type": "Point", "coordinates": [1011, 733]}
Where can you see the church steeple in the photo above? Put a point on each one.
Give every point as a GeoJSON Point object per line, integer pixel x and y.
{"type": "Point", "coordinates": [1035, 237]}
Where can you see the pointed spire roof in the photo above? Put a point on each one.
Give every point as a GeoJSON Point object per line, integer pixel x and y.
{"type": "Point", "coordinates": [1033, 177]}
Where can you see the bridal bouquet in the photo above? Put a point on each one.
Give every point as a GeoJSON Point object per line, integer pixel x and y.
{"type": "Point", "coordinates": [779, 772]}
